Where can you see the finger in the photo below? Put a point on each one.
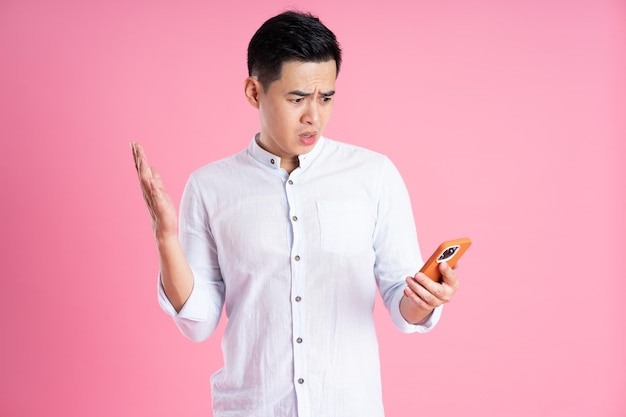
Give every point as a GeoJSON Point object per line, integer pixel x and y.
{"type": "Point", "coordinates": [424, 291]}
{"type": "Point", "coordinates": [416, 300]}
{"type": "Point", "coordinates": [138, 153]}
{"type": "Point", "coordinates": [160, 198]}
{"type": "Point", "coordinates": [146, 175]}
{"type": "Point", "coordinates": [442, 291]}
{"type": "Point", "coordinates": [448, 276]}
{"type": "Point", "coordinates": [143, 168]}
{"type": "Point", "coordinates": [426, 282]}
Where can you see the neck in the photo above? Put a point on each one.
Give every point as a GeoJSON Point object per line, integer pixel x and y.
{"type": "Point", "coordinates": [289, 164]}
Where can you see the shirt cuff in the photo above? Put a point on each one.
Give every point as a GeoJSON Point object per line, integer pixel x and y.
{"type": "Point", "coordinates": [195, 308]}
{"type": "Point", "coordinates": [424, 326]}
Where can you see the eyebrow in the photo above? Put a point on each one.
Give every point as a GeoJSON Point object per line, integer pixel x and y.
{"type": "Point", "coordinates": [304, 94]}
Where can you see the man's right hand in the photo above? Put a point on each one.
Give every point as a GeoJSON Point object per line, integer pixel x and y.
{"type": "Point", "coordinates": [160, 205]}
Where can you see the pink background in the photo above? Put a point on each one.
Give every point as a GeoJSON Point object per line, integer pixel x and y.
{"type": "Point", "coordinates": [506, 118]}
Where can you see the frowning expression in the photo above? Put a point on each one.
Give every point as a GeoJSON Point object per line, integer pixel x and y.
{"type": "Point", "coordinates": [294, 109]}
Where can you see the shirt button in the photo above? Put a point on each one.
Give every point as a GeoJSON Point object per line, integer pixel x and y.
{"type": "Point", "coordinates": [297, 258]}
{"type": "Point", "coordinates": [294, 218]}
{"type": "Point", "coordinates": [298, 299]}
{"type": "Point", "coordinates": [290, 182]}
{"type": "Point", "coordinates": [300, 381]}
{"type": "Point", "coordinates": [299, 340]}
{"type": "Point", "coordinates": [272, 161]}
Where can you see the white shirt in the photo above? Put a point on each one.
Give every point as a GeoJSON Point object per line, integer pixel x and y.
{"type": "Point", "coordinates": [296, 259]}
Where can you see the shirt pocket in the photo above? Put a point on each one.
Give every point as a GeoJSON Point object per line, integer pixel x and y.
{"type": "Point", "coordinates": [346, 227]}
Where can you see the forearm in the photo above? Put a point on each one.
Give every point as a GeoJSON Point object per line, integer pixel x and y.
{"type": "Point", "coordinates": [176, 275]}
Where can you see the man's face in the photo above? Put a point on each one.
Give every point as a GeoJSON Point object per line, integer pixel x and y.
{"type": "Point", "coordinates": [295, 108]}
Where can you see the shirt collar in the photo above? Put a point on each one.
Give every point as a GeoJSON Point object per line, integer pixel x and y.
{"type": "Point", "coordinates": [273, 161]}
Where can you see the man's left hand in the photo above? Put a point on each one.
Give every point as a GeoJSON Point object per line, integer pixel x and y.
{"type": "Point", "coordinates": [422, 295]}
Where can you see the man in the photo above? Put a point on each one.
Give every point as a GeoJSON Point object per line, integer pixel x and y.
{"type": "Point", "coordinates": [293, 235]}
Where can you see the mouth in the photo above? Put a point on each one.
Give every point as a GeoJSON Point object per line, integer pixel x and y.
{"type": "Point", "coordinates": [308, 138]}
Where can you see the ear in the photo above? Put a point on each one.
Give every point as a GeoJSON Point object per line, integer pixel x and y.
{"type": "Point", "coordinates": [252, 89]}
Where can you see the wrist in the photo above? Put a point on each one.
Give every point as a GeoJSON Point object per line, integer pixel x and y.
{"type": "Point", "coordinates": [166, 240]}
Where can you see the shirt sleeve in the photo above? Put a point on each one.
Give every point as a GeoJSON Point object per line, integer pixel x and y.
{"type": "Point", "coordinates": [199, 316]}
{"type": "Point", "coordinates": [397, 250]}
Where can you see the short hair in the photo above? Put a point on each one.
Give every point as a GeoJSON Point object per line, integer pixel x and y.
{"type": "Point", "coordinates": [290, 36]}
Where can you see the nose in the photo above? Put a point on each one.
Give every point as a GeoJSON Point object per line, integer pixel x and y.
{"type": "Point", "coordinates": [311, 115]}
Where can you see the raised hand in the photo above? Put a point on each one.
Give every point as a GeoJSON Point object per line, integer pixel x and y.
{"type": "Point", "coordinates": [160, 205]}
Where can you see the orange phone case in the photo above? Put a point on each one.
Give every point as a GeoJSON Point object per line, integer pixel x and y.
{"type": "Point", "coordinates": [449, 251]}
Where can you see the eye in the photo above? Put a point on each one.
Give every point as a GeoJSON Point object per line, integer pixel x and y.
{"type": "Point", "coordinates": [326, 99]}
{"type": "Point", "coordinates": [297, 100]}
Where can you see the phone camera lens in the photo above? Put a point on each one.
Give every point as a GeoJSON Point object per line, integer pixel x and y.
{"type": "Point", "coordinates": [448, 253]}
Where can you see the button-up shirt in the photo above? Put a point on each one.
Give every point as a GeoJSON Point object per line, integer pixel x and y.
{"type": "Point", "coordinates": [296, 259]}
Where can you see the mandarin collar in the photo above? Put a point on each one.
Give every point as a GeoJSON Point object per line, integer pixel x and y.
{"type": "Point", "coordinates": [273, 161]}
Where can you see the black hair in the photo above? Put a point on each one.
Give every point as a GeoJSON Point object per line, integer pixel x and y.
{"type": "Point", "coordinates": [290, 36]}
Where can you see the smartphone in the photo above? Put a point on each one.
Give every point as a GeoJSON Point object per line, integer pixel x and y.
{"type": "Point", "coordinates": [449, 251]}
